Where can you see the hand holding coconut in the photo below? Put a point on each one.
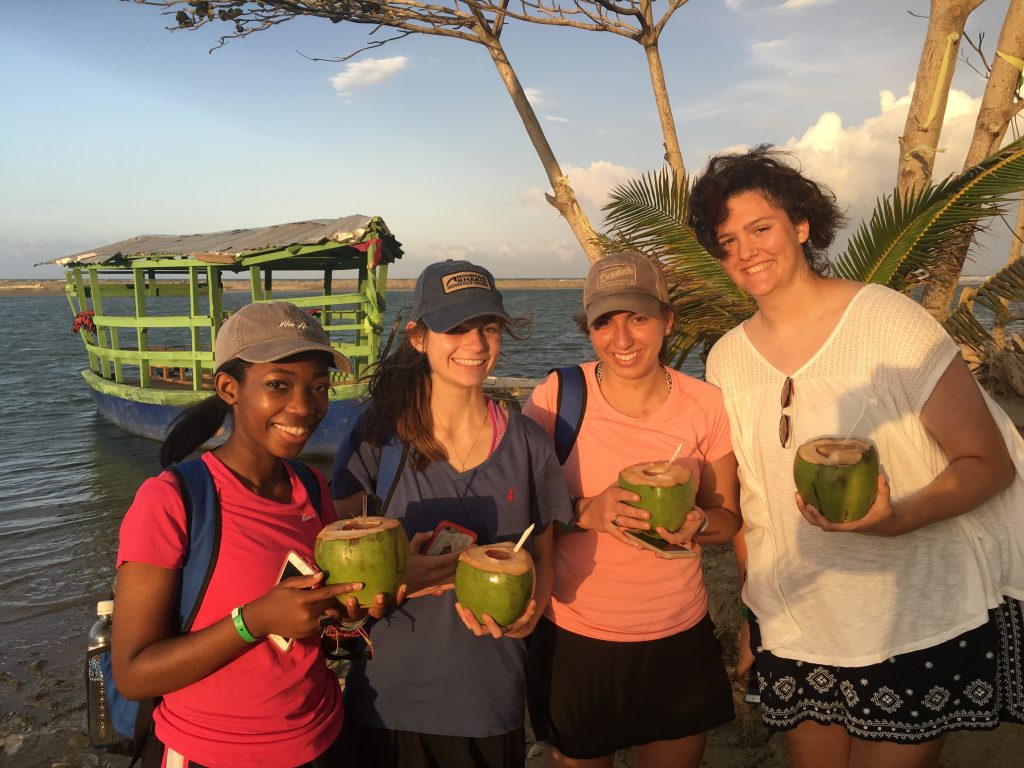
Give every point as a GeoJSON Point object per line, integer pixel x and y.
{"type": "Point", "coordinates": [293, 607]}
{"type": "Point", "coordinates": [494, 585]}
{"type": "Point", "coordinates": [880, 519]}
{"type": "Point", "coordinates": [612, 511]}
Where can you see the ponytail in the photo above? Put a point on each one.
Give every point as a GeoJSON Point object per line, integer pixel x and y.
{"type": "Point", "coordinates": [196, 425]}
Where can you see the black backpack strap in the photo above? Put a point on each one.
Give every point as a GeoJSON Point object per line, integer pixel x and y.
{"type": "Point", "coordinates": [202, 526]}
{"type": "Point", "coordinates": [311, 484]}
{"type": "Point", "coordinates": [570, 405]}
{"type": "Point", "coordinates": [394, 454]}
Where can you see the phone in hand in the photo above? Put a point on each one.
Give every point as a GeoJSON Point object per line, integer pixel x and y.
{"type": "Point", "coordinates": [294, 565]}
{"type": "Point", "coordinates": [449, 537]}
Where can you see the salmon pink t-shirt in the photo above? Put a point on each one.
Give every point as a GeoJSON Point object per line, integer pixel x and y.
{"type": "Point", "coordinates": [265, 707]}
{"type": "Point", "coordinates": [603, 588]}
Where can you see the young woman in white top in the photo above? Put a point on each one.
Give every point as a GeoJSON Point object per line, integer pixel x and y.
{"type": "Point", "coordinates": [874, 638]}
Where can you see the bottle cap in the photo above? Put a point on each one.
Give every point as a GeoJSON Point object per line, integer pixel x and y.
{"type": "Point", "coordinates": [105, 608]}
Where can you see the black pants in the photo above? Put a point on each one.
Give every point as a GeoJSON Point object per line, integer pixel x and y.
{"type": "Point", "coordinates": [368, 747]}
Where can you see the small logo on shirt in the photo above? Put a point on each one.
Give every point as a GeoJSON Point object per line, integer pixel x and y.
{"type": "Point", "coordinates": [511, 495]}
{"type": "Point", "coordinates": [308, 515]}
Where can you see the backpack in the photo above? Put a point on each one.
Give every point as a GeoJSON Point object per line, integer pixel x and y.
{"type": "Point", "coordinates": [133, 720]}
{"type": "Point", "coordinates": [570, 405]}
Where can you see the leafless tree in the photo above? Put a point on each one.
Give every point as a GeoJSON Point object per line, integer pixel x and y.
{"type": "Point", "coordinates": [631, 19]}
{"type": "Point", "coordinates": [475, 23]}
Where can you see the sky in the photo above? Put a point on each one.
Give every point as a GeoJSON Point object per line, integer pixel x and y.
{"type": "Point", "coordinates": [114, 126]}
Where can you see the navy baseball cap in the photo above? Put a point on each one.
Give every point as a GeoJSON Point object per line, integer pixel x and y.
{"type": "Point", "coordinates": [450, 292]}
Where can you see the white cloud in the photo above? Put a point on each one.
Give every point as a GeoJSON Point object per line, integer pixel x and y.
{"type": "Point", "coordinates": [360, 74]}
{"type": "Point", "coordinates": [792, 5]}
{"type": "Point", "coordinates": [768, 45]}
{"type": "Point", "coordinates": [591, 186]}
{"type": "Point", "coordinates": [556, 119]}
{"type": "Point", "coordinates": [535, 96]}
{"type": "Point", "coordinates": [734, 5]}
{"type": "Point", "coordinates": [859, 163]}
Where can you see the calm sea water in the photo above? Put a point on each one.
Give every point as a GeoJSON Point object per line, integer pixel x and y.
{"type": "Point", "coordinates": [67, 476]}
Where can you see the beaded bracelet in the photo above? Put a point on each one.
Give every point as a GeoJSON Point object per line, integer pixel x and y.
{"type": "Point", "coordinates": [240, 628]}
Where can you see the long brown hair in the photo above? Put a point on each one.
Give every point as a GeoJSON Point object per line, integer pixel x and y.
{"type": "Point", "coordinates": [399, 395]}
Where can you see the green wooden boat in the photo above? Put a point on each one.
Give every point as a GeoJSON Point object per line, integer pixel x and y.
{"type": "Point", "coordinates": [148, 310]}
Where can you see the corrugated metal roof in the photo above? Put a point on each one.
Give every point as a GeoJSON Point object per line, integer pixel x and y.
{"type": "Point", "coordinates": [348, 229]}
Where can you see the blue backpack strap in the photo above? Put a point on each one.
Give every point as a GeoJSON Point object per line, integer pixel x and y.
{"type": "Point", "coordinates": [393, 455]}
{"type": "Point", "coordinates": [570, 405]}
{"type": "Point", "coordinates": [312, 485]}
{"type": "Point", "coordinates": [202, 526]}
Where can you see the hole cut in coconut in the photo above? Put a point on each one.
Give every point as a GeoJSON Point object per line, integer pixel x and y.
{"type": "Point", "coordinates": [840, 452]}
{"type": "Point", "coordinates": [655, 470]}
{"type": "Point", "coordinates": [360, 524]}
{"type": "Point", "coordinates": [499, 554]}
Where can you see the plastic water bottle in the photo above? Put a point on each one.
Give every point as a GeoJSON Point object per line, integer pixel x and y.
{"type": "Point", "coordinates": [101, 727]}
{"type": "Point", "coordinates": [99, 635]}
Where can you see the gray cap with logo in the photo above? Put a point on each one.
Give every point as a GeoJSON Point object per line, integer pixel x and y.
{"type": "Point", "coordinates": [273, 330]}
{"type": "Point", "coordinates": [624, 282]}
{"type": "Point", "coordinates": [449, 293]}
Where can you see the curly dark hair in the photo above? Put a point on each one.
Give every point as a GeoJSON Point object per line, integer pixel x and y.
{"type": "Point", "coordinates": [765, 170]}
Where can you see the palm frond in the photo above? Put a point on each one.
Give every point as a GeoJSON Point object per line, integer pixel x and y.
{"type": "Point", "coordinates": [1006, 285]}
{"type": "Point", "coordinates": [648, 214]}
{"type": "Point", "coordinates": [906, 241]}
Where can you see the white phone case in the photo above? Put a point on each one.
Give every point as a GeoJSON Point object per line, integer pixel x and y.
{"type": "Point", "coordinates": [294, 565]}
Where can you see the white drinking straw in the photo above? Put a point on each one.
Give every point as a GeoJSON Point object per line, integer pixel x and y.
{"type": "Point", "coordinates": [676, 454]}
{"type": "Point", "coordinates": [522, 539]}
{"type": "Point", "coordinates": [856, 423]}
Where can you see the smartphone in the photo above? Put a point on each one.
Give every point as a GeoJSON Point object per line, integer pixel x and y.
{"type": "Point", "coordinates": [752, 694]}
{"type": "Point", "coordinates": [660, 547]}
{"type": "Point", "coordinates": [294, 565]}
{"type": "Point", "coordinates": [449, 537]}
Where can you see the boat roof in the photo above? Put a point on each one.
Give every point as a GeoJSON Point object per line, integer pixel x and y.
{"type": "Point", "coordinates": [233, 244]}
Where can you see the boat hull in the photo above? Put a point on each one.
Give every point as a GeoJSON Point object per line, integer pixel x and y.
{"type": "Point", "coordinates": [150, 412]}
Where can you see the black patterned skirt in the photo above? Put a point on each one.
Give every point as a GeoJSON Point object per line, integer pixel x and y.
{"type": "Point", "coordinates": [971, 682]}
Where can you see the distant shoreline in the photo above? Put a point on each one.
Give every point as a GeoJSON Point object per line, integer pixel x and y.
{"type": "Point", "coordinates": [55, 287]}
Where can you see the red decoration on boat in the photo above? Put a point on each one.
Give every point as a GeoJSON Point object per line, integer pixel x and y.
{"type": "Point", "coordinates": [84, 320]}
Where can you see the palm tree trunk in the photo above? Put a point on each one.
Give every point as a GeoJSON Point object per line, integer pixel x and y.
{"type": "Point", "coordinates": [998, 106]}
{"type": "Point", "coordinates": [999, 349]}
{"type": "Point", "coordinates": [928, 104]}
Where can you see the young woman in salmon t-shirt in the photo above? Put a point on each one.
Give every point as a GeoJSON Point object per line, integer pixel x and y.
{"type": "Point", "coordinates": [625, 655]}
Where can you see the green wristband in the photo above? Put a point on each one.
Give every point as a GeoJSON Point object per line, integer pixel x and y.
{"type": "Point", "coordinates": [243, 631]}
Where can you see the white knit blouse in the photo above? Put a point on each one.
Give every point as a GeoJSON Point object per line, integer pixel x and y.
{"type": "Point", "coordinates": [851, 599]}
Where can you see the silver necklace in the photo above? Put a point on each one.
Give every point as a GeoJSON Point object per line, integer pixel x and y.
{"type": "Point", "coordinates": [451, 439]}
{"type": "Point", "coordinates": [599, 375]}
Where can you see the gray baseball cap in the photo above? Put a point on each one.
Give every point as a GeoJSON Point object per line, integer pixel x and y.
{"type": "Point", "coordinates": [624, 282]}
{"type": "Point", "coordinates": [273, 330]}
{"type": "Point", "coordinates": [448, 293]}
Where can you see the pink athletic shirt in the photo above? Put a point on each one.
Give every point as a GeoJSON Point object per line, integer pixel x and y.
{"type": "Point", "coordinates": [603, 588]}
{"type": "Point", "coordinates": [265, 708]}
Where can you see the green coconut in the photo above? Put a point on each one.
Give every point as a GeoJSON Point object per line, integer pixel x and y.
{"type": "Point", "coordinates": [838, 476]}
{"type": "Point", "coordinates": [371, 550]}
{"type": "Point", "coordinates": [667, 491]}
{"type": "Point", "coordinates": [494, 579]}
